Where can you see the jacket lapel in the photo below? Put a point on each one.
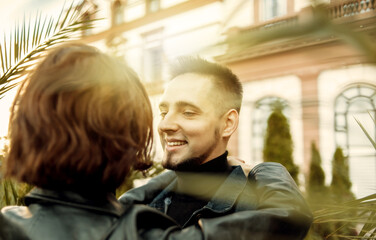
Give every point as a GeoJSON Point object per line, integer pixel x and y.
{"type": "Point", "coordinates": [227, 194]}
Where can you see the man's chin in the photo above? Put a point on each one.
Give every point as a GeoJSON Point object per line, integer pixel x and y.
{"type": "Point", "coordinates": [170, 164]}
{"type": "Point", "coordinates": [186, 165]}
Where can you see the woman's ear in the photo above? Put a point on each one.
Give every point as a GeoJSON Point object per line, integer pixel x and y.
{"type": "Point", "coordinates": [231, 120]}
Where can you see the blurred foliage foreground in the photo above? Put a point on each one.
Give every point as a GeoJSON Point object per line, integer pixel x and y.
{"type": "Point", "coordinates": [337, 214]}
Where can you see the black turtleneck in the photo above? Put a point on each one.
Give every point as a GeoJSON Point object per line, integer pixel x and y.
{"type": "Point", "coordinates": [183, 205]}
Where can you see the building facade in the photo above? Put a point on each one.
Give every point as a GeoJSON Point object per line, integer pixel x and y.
{"type": "Point", "coordinates": [282, 52]}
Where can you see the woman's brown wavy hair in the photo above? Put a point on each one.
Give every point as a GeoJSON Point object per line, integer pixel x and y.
{"type": "Point", "coordinates": [80, 121]}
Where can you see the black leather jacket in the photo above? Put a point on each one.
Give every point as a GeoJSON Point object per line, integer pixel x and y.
{"type": "Point", "coordinates": [67, 215]}
{"type": "Point", "coordinates": [10, 231]}
{"type": "Point", "coordinates": [266, 204]}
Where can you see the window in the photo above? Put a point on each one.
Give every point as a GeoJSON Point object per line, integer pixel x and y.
{"type": "Point", "coordinates": [358, 102]}
{"type": "Point", "coordinates": [270, 9]}
{"type": "Point", "coordinates": [153, 56]}
{"type": "Point", "coordinates": [263, 109]}
{"type": "Point", "coordinates": [117, 13]}
{"type": "Point", "coordinates": [153, 64]}
{"type": "Point", "coordinates": [152, 6]}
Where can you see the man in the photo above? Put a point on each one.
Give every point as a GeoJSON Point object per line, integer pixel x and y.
{"type": "Point", "coordinates": [199, 112]}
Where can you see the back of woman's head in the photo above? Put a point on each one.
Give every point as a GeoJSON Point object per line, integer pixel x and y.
{"type": "Point", "coordinates": [80, 121]}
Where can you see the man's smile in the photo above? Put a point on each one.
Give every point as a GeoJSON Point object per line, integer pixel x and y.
{"type": "Point", "coordinates": [174, 144]}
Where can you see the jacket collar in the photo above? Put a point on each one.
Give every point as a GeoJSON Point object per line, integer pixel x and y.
{"type": "Point", "coordinates": [107, 204]}
{"type": "Point", "coordinates": [227, 194]}
{"type": "Point", "coordinates": [223, 200]}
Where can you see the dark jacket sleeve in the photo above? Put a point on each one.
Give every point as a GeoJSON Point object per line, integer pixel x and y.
{"type": "Point", "coordinates": [146, 193]}
{"type": "Point", "coordinates": [281, 211]}
{"type": "Point", "coordinates": [10, 231]}
{"type": "Point", "coordinates": [142, 222]}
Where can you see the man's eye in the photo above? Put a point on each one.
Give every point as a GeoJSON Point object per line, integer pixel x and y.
{"type": "Point", "coordinates": [188, 113]}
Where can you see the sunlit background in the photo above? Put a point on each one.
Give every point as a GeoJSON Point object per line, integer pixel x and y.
{"type": "Point", "coordinates": [322, 82]}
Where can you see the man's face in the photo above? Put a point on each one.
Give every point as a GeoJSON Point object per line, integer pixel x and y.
{"type": "Point", "coordinates": [190, 126]}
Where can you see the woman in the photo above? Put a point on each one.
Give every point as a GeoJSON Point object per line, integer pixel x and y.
{"type": "Point", "coordinates": [80, 122]}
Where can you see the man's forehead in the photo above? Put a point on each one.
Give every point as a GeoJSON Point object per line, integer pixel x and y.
{"type": "Point", "coordinates": [191, 89]}
{"type": "Point", "coordinates": [189, 84]}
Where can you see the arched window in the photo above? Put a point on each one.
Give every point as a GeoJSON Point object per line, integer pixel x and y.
{"type": "Point", "coordinates": [262, 111]}
{"type": "Point", "coordinates": [357, 102]}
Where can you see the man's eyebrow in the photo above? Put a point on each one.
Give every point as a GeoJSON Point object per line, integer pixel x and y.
{"type": "Point", "coordinates": [182, 104]}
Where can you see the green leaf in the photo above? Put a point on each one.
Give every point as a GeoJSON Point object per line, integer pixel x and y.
{"type": "Point", "coordinates": [366, 133]}
{"type": "Point", "coordinates": [29, 41]}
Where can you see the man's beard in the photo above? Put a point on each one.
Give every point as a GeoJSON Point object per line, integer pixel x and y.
{"type": "Point", "coordinates": [190, 164]}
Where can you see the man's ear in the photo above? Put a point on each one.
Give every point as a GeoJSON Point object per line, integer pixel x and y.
{"type": "Point", "coordinates": [231, 120]}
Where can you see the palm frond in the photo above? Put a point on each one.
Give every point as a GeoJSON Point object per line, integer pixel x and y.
{"type": "Point", "coordinates": [360, 211]}
{"type": "Point", "coordinates": [373, 141]}
{"type": "Point", "coordinates": [9, 193]}
{"type": "Point", "coordinates": [12, 193]}
{"type": "Point", "coordinates": [374, 120]}
{"type": "Point", "coordinates": [28, 42]}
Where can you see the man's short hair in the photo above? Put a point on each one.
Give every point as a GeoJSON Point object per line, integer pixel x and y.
{"type": "Point", "coordinates": [81, 121]}
{"type": "Point", "coordinates": [223, 78]}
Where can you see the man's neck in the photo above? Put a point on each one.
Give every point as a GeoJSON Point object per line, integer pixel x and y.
{"type": "Point", "coordinates": [206, 179]}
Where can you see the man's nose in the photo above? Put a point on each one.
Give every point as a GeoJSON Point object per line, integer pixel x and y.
{"type": "Point", "coordinates": [168, 123]}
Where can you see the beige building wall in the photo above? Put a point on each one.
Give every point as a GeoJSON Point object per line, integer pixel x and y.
{"type": "Point", "coordinates": [309, 73]}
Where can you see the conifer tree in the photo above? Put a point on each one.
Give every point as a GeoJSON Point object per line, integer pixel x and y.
{"type": "Point", "coordinates": [341, 192]}
{"type": "Point", "coordinates": [316, 178]}
{"type": "Point", "coordinates": [341, 184]}
{"type": "Point", "coordinates": [318, 195]}
{"type": "Point", "coordinates": [278, 145]}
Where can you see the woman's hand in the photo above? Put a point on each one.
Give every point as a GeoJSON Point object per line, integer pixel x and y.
{"type": "Point", "coordinates": [234, 161]}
